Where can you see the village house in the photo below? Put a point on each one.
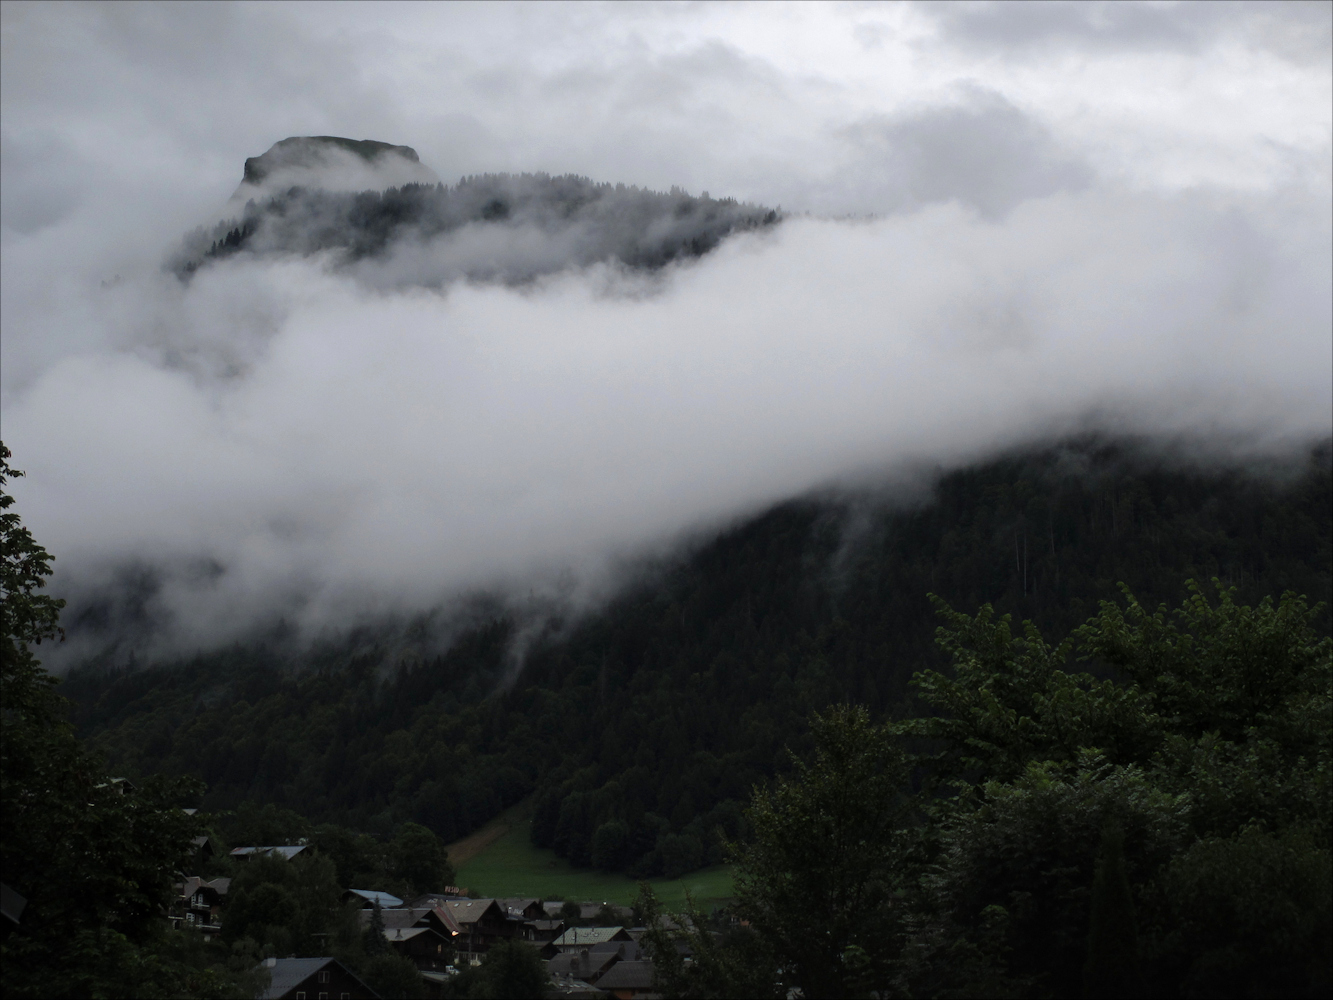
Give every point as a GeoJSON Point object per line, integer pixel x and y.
{"type": "Point", "coordinates": [482, 923]}
{"type": "Point", "coordinates": [591, 964]}
{"type": "Point", "coordinates": [199, 904]}
{"type": "Point", "coordinates": [423, 946]}
{"type": "Point", "coordinates": [577, 938]}
{"type": "Point", "coordinates": [544, 932]}
{"type": "Point", "coordinates": [312, 978]}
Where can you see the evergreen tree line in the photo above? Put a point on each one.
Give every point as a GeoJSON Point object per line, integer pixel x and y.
{"type": "Point", "coordinates": [642, 729]}
{"type": "Point", "coordinates": [583, 222]}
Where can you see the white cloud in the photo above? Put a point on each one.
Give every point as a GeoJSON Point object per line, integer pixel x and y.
{"type": "Point", "coordinates": [1151, 254]}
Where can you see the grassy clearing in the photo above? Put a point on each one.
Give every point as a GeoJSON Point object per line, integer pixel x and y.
{"type": "Point", "coordinates": [506, 864]}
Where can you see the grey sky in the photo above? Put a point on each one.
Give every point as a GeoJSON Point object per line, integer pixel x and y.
{"type": "Point", "coordinates": [1088, 215]}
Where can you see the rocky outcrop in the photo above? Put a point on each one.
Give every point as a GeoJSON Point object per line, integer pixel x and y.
{"type": "Point", "coordinates": [332, 163]}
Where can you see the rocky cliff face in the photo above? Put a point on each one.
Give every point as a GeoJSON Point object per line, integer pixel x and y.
{"type": "Point", "coordinates": [332, 163]}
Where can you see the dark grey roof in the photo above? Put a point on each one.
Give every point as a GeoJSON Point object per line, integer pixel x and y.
{"type": "Point", "coordinates": [469, 911]}
{"type": "Point", "coordinates": [11, 903]}
{"type": "Point", "coordinates": [407, 933]}
{"type": "Point", "coordinates": [404, 917]}
{"type": "Point", "coordinates": [287, 973]}
{"type": "Point", "coordinates": [589, 936]}
{"type": "Point", "coordinates": [628, 950]}
{"type": "Point", "coordinates": [580, 966]}
{"type": "Point", "coordinates": [627, 976]}
{"type": "Point", "coordinates": [372, 896]}
{"type": "Point", "coordinates": [287, 851]}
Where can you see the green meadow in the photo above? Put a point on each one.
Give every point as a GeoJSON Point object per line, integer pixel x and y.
{"type": "Point", "coordinates": [511, 866]}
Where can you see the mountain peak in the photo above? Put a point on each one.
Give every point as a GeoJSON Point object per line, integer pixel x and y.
{"type": "Point", "coordinates": [333, 163]}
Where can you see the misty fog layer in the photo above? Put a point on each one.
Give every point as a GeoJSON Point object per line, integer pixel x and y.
{"type": "Point", "coordinates": [1068, 222]}
{"type": "Point", "coordinates": [286, 441]}
{"type": "Point", "coordinates": [494, 227]}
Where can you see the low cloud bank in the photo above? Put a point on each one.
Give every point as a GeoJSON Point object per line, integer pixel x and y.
{"type": "Point", "coordinates": [278, 440]}
{"type": "Point", "coordinates": [1094, 217]}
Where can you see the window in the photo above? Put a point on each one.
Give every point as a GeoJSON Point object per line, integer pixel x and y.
{"type": "Point", "coordinates": [300, 995]}
{"type": "Point", "coordinates": [324, 976]}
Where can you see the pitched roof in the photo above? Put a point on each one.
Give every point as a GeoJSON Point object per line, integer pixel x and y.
{"type": "Point", "coordinates": [628, 950]}
{"type": "Point", "coordinates": [287, 973]}
{"type": "Point", "coordinates": [447, 919]}
{"type": "Point", "coordinates": [588, 936]}
{"type": "Point", "coordinates": [469, 911]}
{"type": "Point", "coordinates": [627, 976]}
{"type": "Point", "coordinates": [287, 851]}
{"type": "Point", "coordinates": [522, 905]}
{"type": "Point", "coordinates": [373, 896]}
{"type": "Point", "coordinates": [407, 933]}
{"type": "Point", "coordinates": [580, 966]}
{"type": "Point", "coordinates": [194, 883]}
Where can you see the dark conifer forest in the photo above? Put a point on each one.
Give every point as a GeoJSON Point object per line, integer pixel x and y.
{"type": "Point", "coordinates": [522, 225]}
{"type": "Point", "coordinates": [643, 727]}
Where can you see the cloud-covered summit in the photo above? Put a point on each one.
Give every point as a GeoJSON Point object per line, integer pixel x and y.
{"type": "Point", "coordinates": [331, 163]}
{"type": "Point", "coordinates": [492, 227]}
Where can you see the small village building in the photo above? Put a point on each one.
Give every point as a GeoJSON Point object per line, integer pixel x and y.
{"type": "Point", "coordinates": [481, 922]}
{"type": "Point", "coordinates": [435, 917]}
{"type": "Point", "coordinates": [203, 847]}
{"type": "Point", "coordinates": [424, 946]}
{"type": "Point", "coordinates": [312, 978]}
{"type": "Point", "coordinates": [199, 904]}
{"type": "Point", "coordinates": [524, 907]}
{"type": "Point", "coordinates": [586, 965]}
{"type": "Point", "coordinates": [592, 963]}
{"type": "Point", "coordinates": [544, 932]}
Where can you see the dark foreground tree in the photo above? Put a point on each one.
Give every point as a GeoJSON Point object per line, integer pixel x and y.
{"type": "Point", "coordinates": [93, 857]}
{"type": "Point", "coordinates": [510, 969]}
{"type": "Point", "coordinates": [818, 879]}
{"type": "Point", "coordinates": [393, 977]}
{"type": "Point", "coordinates": [1201, 736]}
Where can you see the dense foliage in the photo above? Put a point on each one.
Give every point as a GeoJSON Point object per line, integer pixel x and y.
{"type": "Point", "coordinates": [1162, 830]}
{"type": "Point", "coordinates": [644, 726]}
{"type": "Point", "coordinates": [502, 227]}
{"type": "Point", "coordinates": [95, 858]}
{"type": "Point", "coordinates": [94, 863]}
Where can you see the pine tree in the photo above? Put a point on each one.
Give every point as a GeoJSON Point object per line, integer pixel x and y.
{"type": "Point", "coordinates": [373, 940]}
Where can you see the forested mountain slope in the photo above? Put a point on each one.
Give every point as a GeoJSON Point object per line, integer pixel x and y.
{"type": "Point", "coordinates": [644, 727]}
{"type": "Point", "coordinates": [492, 227]}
